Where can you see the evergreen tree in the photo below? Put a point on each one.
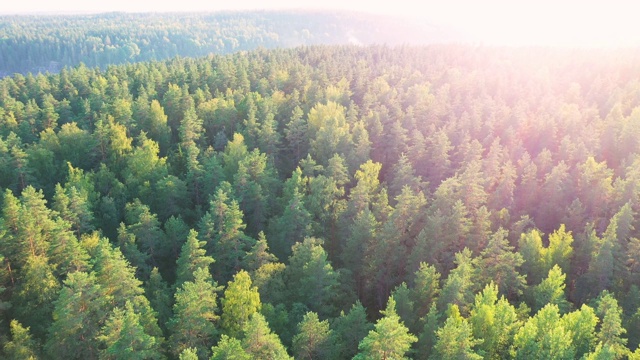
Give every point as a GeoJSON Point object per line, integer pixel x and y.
{"type": "Point", "coordinates": [551, 291]}
{"type": "Point", "coordinates": [611, 330]}
{"type": "Point", "coordinates": [425, 290]}
{"type": "Point", "coordinates": [582, 325]}
{"type": "Point", "coordinates": [543, 336]}
{"type": "Point", "coordinates": [78, 315]}
{"type": "Point", "coordinates": [495, 322]}
{"type": "Point", "coordinates": [194, 315]}
{"type": "Point", "coordinates": [389, 340]}
{"type": "Point", "coordinates": [260, 343]}
{"type": "Point", "coordinates": [428, 335]}
{"type": "Point", "coordinates": [34, 295]}
{"type": "Point", "coordinates": [313, 338]}
{"type": "Point", "coordinates": [459, 287]}
{"type": "Point", "coordinates": [124, 337]}
{"type": "Point", "coordinates": [22, 346]}
{"type": "Point", "coordinates": [159, 295]}
{"type": "Point", "coordinates": [347, 331]}
{"type": "Point", "coordinates": [192, 257]}
{"type": "Point", "coordinates": [455, 338]}
{"type": "Point", "coordinates": [500, 263]}
{"type": "Point", "coordinates": [229, 349]}
{"type": "Point", "coordinates": [310, 277]}
{"type": "Point", "coordinates": [222, 229]}
{"type": "Point", "coordinates": [240, 301]}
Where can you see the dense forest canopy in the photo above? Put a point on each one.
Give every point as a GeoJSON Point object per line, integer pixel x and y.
{"type": "Point", "coordinates": [39, 44]}
{"type": "Point", "coordinates": [324, 202]}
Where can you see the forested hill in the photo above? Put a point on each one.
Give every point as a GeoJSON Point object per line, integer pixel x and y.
{"type": "Point", "coordinates": [325, 202]}
{"type": "Point", "coordinates": [48, 43]}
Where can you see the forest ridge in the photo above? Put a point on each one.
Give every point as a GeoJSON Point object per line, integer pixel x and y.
{"type": "Point", "coordinates": [324, 202]}
{"type": "Point", "coordinates": [30, 43]}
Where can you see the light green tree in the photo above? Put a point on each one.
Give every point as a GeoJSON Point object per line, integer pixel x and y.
{"type": "Point", "coordinates": [390, 339]}
{"type": "Point", "coordinates": [241, 300]}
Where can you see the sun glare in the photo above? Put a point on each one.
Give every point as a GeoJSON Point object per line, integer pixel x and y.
{"type": "Point", "coordinates": [492, 22]}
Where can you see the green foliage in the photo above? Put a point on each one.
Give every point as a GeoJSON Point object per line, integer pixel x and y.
{"type": "Point", "coordinates": [543, 336]}
{"type": "Point", "coordinates": [241, 300]}
{"type": "Point", "coordinates": [22, 346]}
{"type": "Point", "coordinates": [551, 291]}
{"type": "Point", "coordinates": [500, 263]}
{"type": "Point", "coordinates": [229, 349]}
{"type": "Point", "coordinates": [260, 343]}
{"type": "Point", "coordinates": [455, 339]}
{"type": "Point", "coordinates": [78, 315]}
{"type": "Point", "coordinates": [310, 277]}
{"type": "Point", "coordinates": [192, 257]}
{"type": "Point", "coordinates": [459, 287]}
{"type": "Point", "coordinates": [348, 330]}
{"type": "Point", "coordinates": [582, 325]}
{"type": "Point", "coordinates": [494, 321]}
{"type": "Point", "coordinates": [193, 324]}
{"type": "Point", "coordinates": [481, 156]}
{"type": "Point", "coordinates": [222, 229]}
{"type": "Point", "coordinates": [124, 337]}
{"type": "Point", "coordinates": [313, 338]}
{"type": "Point", "coordinates": [389, 340]}
{"type": "Point", "coordinates": [611, 330]}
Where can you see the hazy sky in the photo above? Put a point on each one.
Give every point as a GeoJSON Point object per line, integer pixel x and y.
{"type": "Point", "coordinates": [514, 22]}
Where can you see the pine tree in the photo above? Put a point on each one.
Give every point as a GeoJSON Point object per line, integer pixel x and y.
{"type": "Point", "coordinates": [159, 295]}
{"type": "Point", "coordinates": [194, 321]}
{"type": "Point", "coordinates": [551, 291]}
{"type": "Point", "coordinates": [313, 338]}
{"type": "Point", "coordinates": [34, 295]}
{"type": "Point", "coordinates": [348, 330]}
{"type": "Point", "coordinates": [582, 325]}
{"type": "Point", "coordinates": [389, 340]}
{"type": "Point", "coordinates": [229, 349]}
{"type": "Point", "coordinates": [192, 257]}
{"type": "Point", "coordinates": [455, 338]}
{"type": "Point", "coordinates": [310, 277]}
{"type": "Point", "coordinates": [260, 343]}
{"type": "Point", "coordinates": [259, 255]}
{"type": "Point", "coordinates": [560, 250]}
{"type": "Point", "coordinates": [428, 336]}
{"type": "Point", "coordinates": [78, 317]}
{"type": "Point", "coordinates": [124, 337]}
{"type": "Point", "coordinates": [495, 321]}
{"type": "Point", "coordinates": [222, 229]}
{"type": "Point", "coordinates": [189, 354]}
{"type": "Point", "coordinates": [22, 346]}
{"type": "Point", "coordinates": [240, 301]}
{"type": "Point", "coordinates": [543, 336]}
{"type": "Point", "coordinates": [611, 330]}
{"type": "Point", "coordinates": [459, 287]}
{"type": "Point", "coordinates": [532, 251]}
{"type": "Point", "coordinates": [500, 263]}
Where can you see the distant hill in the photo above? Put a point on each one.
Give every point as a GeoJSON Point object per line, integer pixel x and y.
{"type": "Point", "coordinates": [30, 43]}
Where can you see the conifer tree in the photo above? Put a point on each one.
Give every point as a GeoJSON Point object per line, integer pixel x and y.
{"type": "Point", "coordinates": [22, 346]}
{"type": "Point", "coordinates": [124, 337]}
{"type": "Point", "coordinates": [389, 340]}
{"type": "Point", "coordinates": [192, 257]}
{"type": "Point", "coordinates": [348, 330]}
{"type": "Point", "coordinates": [455, 338]}
{"type": "Point", "coordinates": [313, 338]}
{"type": "Point", "coordinates": [260, 343]}
{"type": "Point", "coordinates": [194, 315]}
{"type": "Point", "coordinates": [241, 300]}
{"type": "Point", "coordinates": [229, 349]}
{"type": "Point", "coordinates": [551, 291]}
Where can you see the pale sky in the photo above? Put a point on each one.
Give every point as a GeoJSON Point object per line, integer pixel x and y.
{"type": "Point", "coordinates": [503, 22]}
